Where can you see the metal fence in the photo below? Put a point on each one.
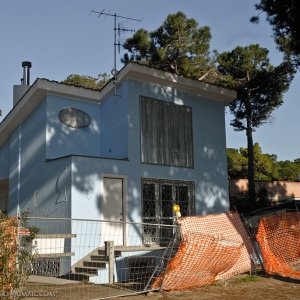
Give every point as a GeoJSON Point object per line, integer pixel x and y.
{"type": "Point", "coordinates": [92, 259]}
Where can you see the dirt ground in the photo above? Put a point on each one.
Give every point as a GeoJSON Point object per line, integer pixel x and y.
{"type": "Point", "coordinates": [241, 287]}
{"type": "Point", "coordinates": [262, 287]}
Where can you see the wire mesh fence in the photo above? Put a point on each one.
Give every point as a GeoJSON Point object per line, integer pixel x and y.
{"type": "Point", "coordinates": [91, 259]}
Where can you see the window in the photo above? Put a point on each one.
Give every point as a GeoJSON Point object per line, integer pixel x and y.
{"type": "Point", "coordinates": [166, 133]}
{"type": "Point", "coordinates": [158, 198]}
{"type": "Point", "coordinates": [74, 118]}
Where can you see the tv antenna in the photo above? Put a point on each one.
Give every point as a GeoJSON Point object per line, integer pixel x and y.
{"type": "Point", "coordinates": [120, 29]}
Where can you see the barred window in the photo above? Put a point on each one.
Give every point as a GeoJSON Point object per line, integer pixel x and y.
{"type": "Point", "coordinates": [166, 133]}
{"type": "Point", "coordinates": [158, 198]}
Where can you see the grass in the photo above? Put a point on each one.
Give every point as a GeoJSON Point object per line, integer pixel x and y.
{"type": "Point", "coordinates": [239, 279]}
{"type": "Point", "coordinates": [247, 278]}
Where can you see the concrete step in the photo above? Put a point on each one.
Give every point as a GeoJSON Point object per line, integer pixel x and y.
{"type": "Point", "coordinates": [99, 258]}
{"type": "Point", "coordinates": [77, 276]}
{"type": "Point", "coordinates": [117, 253]}
{"type": "Point", "coordinates": [95, 264]}
{"type": "Point", "coordinates": [86, 270]}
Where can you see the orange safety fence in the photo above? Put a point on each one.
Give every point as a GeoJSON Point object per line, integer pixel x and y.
{"type": "Point", "coordinates": [279, 240]}
{"type": "Point", "coordinates": [213, 247]}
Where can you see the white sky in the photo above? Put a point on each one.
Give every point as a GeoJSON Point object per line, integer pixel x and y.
{"type": "Point", "coordinates": [61, 37]}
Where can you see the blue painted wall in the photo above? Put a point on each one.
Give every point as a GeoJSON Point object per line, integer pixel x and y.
{"type": "Point", "coordinates": [114, 125]}
{"type": "Point", "coordinates": [4, 160]}
{"type": "Point", "coordinates": [114, 133]}
{"type": "Point", "coordinates": [35, 184]}
{"type": "Point", "coordinates": [14, 171]}
{"type": "Point", "coordinates": [210, 168]}
{"type": "Point", "coordinates": [210, 160]}
{"type": "Point", "coordinates": [63, 140]}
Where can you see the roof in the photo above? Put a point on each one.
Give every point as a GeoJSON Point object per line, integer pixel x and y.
{"type": "Point", "coordinates": [41, 87]}
{"type": "Point", "coordinates": [150, 74]}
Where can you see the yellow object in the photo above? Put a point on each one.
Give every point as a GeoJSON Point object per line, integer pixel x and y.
{"type": "Point", "coordinates": [176, 208]}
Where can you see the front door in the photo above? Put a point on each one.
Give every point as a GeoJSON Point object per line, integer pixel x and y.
{"type": "Point", "coordinates": [112, 209]}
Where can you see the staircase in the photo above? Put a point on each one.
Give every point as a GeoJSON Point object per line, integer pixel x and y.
{"type": "Point", "coordinates": [89, 265]}
{"type": "Point", "coordinates": [97, 260]}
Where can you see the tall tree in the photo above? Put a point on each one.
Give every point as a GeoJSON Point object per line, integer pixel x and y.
{"type": "Point", "coordinates": [95, 83]}
{"type": "Point", "coordinates": [177, 46]}
{"type": "Point", "coordinates": [284, 17]}
{"type": "Point", "coordinates": [260, 87]}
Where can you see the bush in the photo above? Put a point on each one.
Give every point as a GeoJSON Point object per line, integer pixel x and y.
{"type": "Point", "coordinates": [16, 256]}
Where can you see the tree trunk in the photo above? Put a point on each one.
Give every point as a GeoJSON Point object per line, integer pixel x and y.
{"type": "Point", "coordinates": [251, 183]}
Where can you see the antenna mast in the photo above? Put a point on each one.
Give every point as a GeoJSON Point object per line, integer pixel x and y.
{"type": "Point", "coordinates": [114, 71]}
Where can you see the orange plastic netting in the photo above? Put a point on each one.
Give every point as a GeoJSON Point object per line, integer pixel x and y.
{"type": "Point", "coordinates": [279, 240]}
{"type": "Point", "coordinates": [213, 247]}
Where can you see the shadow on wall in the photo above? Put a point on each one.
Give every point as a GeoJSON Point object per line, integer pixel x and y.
{"type": "Point", "coordinates": [267, 193]}
{"type": "Point", "coordinates": [209, 145]}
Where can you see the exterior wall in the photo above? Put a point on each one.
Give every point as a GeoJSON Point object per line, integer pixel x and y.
{"type": "Point", "coordinates": [35, 184]}
{"type": "Point", "coordinates": [4, 175]}
{"type": "Point", "coordinates": [14, 171]}
{"type": "Point", "coordinates": [210, 160]}
{"type": "Point", "coordinates": [114, 125]}
{"type": "Point", "coordinates": [4, 190]}
{"type": "Point", "coordinates": [63, 140]}
{"type": "Point", "coordinates": [4, 160]}
{"type": "Point", "coordinates": [210, 167]}
{"type": "Point", "coordinates": [278, 190]}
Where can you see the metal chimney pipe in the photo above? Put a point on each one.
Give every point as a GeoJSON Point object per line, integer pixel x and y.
{"type": "Point", "coordinates": [26, 72]}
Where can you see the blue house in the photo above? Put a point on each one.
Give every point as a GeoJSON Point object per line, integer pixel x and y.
{"type": "Point", "coordinates": [128, 152]}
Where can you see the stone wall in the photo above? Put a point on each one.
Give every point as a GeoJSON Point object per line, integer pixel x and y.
{"type": "Point", "coordinates": [277, 190]}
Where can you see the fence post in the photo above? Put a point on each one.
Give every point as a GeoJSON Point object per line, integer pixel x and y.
{"type": "Point", "coordinates": [110, 252]}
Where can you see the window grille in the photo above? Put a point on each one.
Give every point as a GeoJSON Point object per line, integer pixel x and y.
{"type": "Point", "coordinates": [158, 198]}
{"type": "Point", "coordinates": [166, 133]}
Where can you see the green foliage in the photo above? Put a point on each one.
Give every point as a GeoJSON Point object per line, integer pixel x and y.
{"type": "Point", "coordinates": [87, 81]}
{"type": "Point", "coordinates": [237, 164]}
{"type": "Point", "coordinates": [283, 16]}
{"type": "Point", "coordinates": [266, 166]}
{"type": "Point", "coordinates": [263, 165]}
{"type": "Point", "coordinates": [259, 85]}
{"type": "Point", "coordinates": [177, 46]}
{"type": "Point", "coordinates": [288, 170]}
{"type": "Point", "coordinates": [15, 254]}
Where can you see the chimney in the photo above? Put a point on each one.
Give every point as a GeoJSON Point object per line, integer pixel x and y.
{"type": "Point", "coordinates": [20, 90]}
{"type": "Point", "coordinates": [26, 72]}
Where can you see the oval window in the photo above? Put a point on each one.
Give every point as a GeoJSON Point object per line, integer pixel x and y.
{"type": "Point", "coordinates": [74, 117]}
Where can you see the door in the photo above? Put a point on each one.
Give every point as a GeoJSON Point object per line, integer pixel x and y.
{"type": "Point", "coordinates": [112, 209]}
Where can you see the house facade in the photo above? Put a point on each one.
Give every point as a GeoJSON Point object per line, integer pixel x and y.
{"type": "Point", "coordinates": [128, 152]}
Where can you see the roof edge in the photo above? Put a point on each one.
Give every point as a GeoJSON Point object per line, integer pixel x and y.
{"type": "Point", "coordinates": [150, 74]}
